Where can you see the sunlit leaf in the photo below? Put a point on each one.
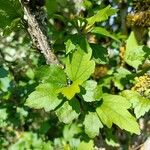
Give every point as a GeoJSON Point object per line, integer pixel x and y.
{"type": "Point", "coordinates": [92, 91]}
{"type": "Point", "coordinates": [92, 124]}
{"type": "Point", "coordinates": [101, 15]}
{"type": "Point", "coordinates": [45, 96]}
{"type": "Point", "coordinates": [140, 104]}
{"type": "Point", "coordinates": [135, 54]}
{"type": "Point", "coordinates": [68, 111]}
{"type": "Point", "coordinates": [103, 31]}
{"type": "Point", "coordinates": [86, 145]}
{"type": "Point", "coordinates": [79, 67]}
{"type": "Point", "coordinates": [70, 91]}
{"type": "Point", "coordinates": [52, 74]}
{"type": "Point", "coordinates": [69, 46]}
{"type": "Point", "coordinates": [121, 78]}
{"type": "Point", "coordinates": [114, 109]}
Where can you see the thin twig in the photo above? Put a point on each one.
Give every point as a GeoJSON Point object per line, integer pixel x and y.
{"type": "Point", "coordinates": [139, 146]}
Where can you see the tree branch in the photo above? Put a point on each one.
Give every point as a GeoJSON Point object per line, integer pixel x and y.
{"type": "Point", "coordinates": [36, 29]}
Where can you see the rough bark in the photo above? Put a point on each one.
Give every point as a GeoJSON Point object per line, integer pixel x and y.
{"type": "Point", "coordinates": [36, 29]}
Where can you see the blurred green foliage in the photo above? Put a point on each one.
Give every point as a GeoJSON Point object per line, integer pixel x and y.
{"type": "Point", "coordinates": [88, 104]}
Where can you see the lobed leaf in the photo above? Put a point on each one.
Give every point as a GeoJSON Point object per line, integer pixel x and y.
{"type": "Point", "coordinates": [45, 96]}
{"type": "Point", "coordinates": [70, 46]}
{"type": "Point", "coordinates": [103, 31]}
{"type": "Point", "coordinates": [114, 110]}
{"type": "Point", "coordinates": [99, 54]}
{"type": "Point", "coordinates": [80, 67]}
{"type": "Point", "coordinates": [92, 124]}
{"type": "Point", "coordinates": [92, 91]}
{"type": "Point", "coordinates": [135, 54]}
{"type": "Point", "coordinates": [70, 91]}
{"type": "Point", "coordinates": [102, 15]}
{"type": "Point", "coordinates": [68, 111]}
{"type": "Point", "coordinates": [121, 78]}
{"type": "Point", "coordinates": [52, 74]}
{"type": "Point", "coordinates": [140, 104]}
{"type": "Point", "coordinates": [86, 145]}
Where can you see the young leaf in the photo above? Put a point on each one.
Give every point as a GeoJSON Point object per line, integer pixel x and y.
{"type": "Point", "coordinates": [135, 54]}
{"type": "Point", "coordinates": [68, 111]}
{"type": "Point", "coordinates": [92, 124]}
{"type": "Point", "coordinates": [70, 130]}
{"type": "Point", "coordinates": [114, 110]}
{"type": "Point", "coordinates": [69, 46]}
{"type": "Point", "coordinates": [131, 42]}
{"type": "Point", "coordinates": [44, 96]}
{"type": "Point", "coordinates": [70, 91]}
{"type": "Point", "coordinates": [80, 67]}
{"type": "Point", "coordinates": [93, 92]}
{"type": "Point", "coordinates": [140, 104]}
{"type": "Point", "coordinates": [87, 146]}
{"type": "Point", "coordinates": [79, 41]}
{"type": "Point", "coordinates": [101, 15]}
{"type": "Point", "coordinates": [103, 31]}
{"type": "Point", "coordinates": [52, 74]}
{"type": "Point", "coordinates": [120, 78]}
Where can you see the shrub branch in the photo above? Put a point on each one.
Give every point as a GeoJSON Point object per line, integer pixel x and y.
{"type": "Point", "coordinates": [36, 29]}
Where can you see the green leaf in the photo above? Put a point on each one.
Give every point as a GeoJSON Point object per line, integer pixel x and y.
{"type": "Point", "coordinates": [79, 41]}
{"type": "Point", "coordinates": [70, 130]}
{"type": "Point", "coordinates": [135, 57]}
{"type": "Point", "coordinates": [3, 117]}
{"type": "Point", "coordinates": [5, 83]}
{"type": "Point", "coordinates": [69, 46]}
{"type": "Point", "coordinates": [3, 72]}
{"type": "Point", "coordinates": [51, 7]}
{"type": "Point", "coordinates": [70, 91]}
{"type": "Point", "coordinates": [140, 104]}
{"type": "Point", "coordinates": [45, 96]}
{"type": "Point", "coordinates": [101, 15]}
{"type": "Point", "coordinates": [30, 73]}
{"type": "Point", "coordinates": [114, 110]}
{"type": "Point", "coordinates": [80, 67]}
{"type": "Point", "coordinates": [86, 145]}
{"type": "Point", "coordinates": [10, 10]}
{"type": "Point", "coordinates": [68, 111]}
{"type": "Point", "coordinates": [15, 24]}
{"type": "Point", "coordinates": [135, 54]}
{"type": "Point", "coordinates": [99, 53]}
{"type": "Point", "coordinates": [131, 42]}
{"type": "Point", "coordinates": [103, 31]}
{"type": "Point", "coordinates": [121, 78]}
{"type": "Point", "coordinates": [28, 140]}
{"type": "Point", "coordinates": [52, 74]}
{"type": "Point", "coordinates": [92, 124]}
{"type": "Point", "coordinates": [92, 91]}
